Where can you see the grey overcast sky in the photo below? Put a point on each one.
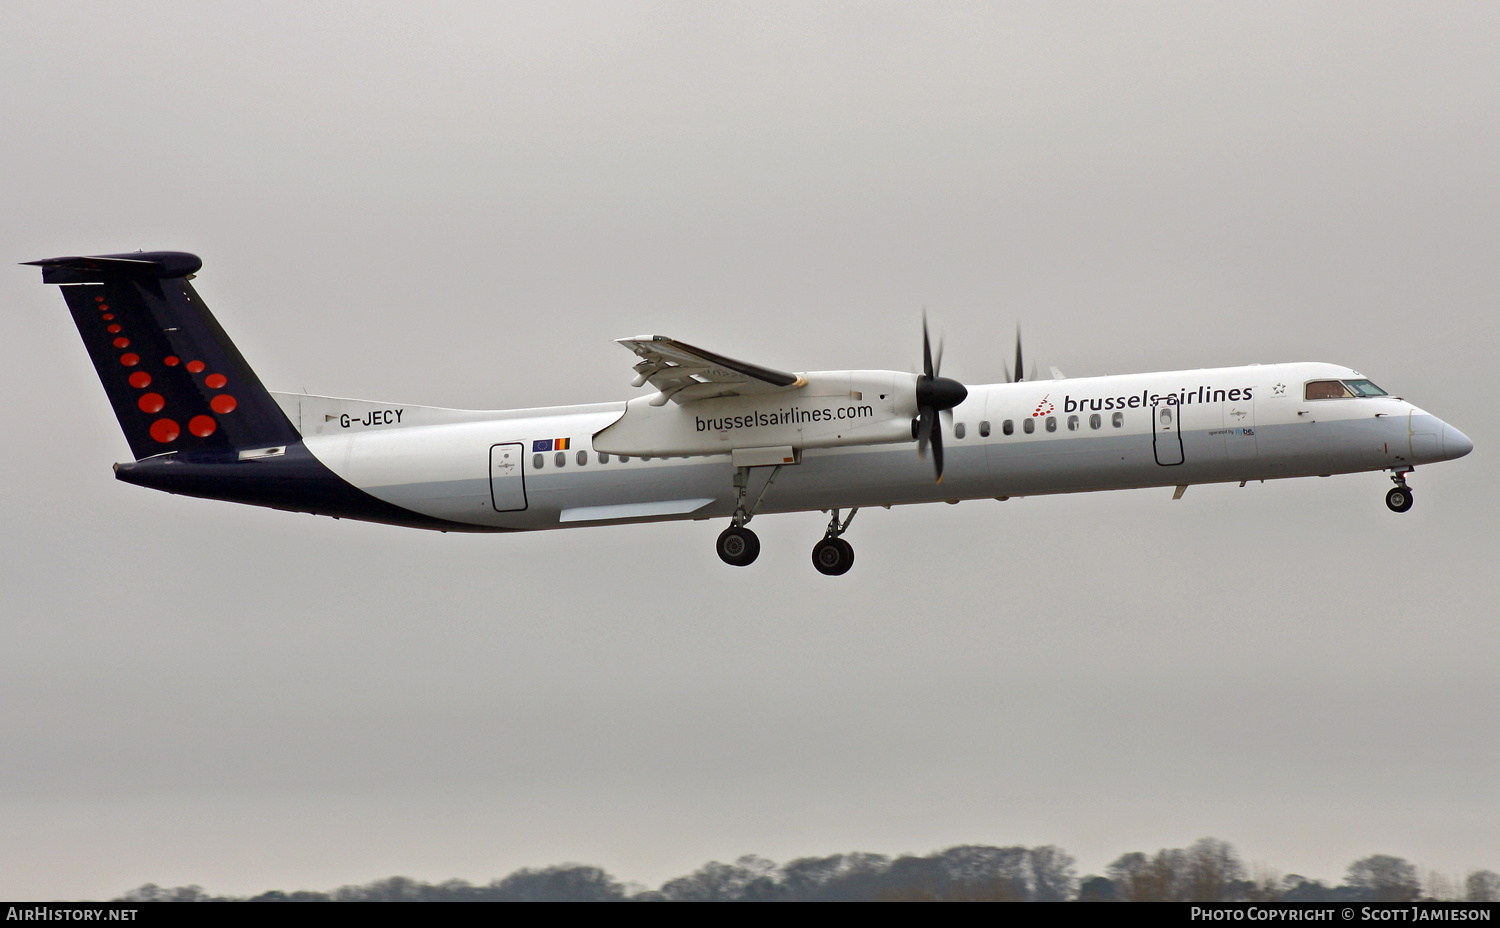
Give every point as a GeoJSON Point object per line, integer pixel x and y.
{"type": "Point", "coordinates": [462, 204]}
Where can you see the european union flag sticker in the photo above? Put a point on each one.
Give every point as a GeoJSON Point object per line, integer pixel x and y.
{"type": "Point", "coordinates": [543, 445]}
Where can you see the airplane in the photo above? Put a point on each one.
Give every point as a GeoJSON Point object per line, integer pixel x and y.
{"type": "Point", "coordinates": [716, 438]}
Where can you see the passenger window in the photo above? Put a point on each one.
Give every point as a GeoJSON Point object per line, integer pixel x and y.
{"type": "Point", "coordinates": [624, 459]}
{"type": "Point", "coordinates": [1095, 421]}
{"type": "Point", "coordinates": [1028, 425]}
{"type": "Point", "coordinates": [1072, 423]}
{"type": "Point", "coordinates": [958, 430]}
{"type": "Point", "coordinates": [1118, 419]}
{"type": "Point", "coordinates": [560, 459]}
{"type": "Point", "coordinates": [1325, 390]}
{"type": "Point", "coordinates": [603, 458]}
{"type": "Point", "coordinates": [536, 461]}
{"type": "Point", "coordinates": [583, 458]}
{"type": "Point", "coordinates": [1008, 427]}
{"type": "Point", "coordinates": [1051, 423]}
{"type": "Point", "coordinates": [984, 429]}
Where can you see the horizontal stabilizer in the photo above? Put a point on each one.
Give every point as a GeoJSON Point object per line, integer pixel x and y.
{"type": "Point", "coordinates": [101, 268]}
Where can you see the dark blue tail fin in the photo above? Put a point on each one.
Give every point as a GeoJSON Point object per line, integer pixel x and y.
{"type": "Point", "coordinates": [176, 381]}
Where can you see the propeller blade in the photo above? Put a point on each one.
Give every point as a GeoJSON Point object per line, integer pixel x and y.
{"type": "Point", "coordinates": [926, 346]}
{"type": "Point", "coordinates": [925, 415]}
{"type": "Point", "coordinates": [937, 452]}
{"type": "Point", "coordinates": [1019, 366]}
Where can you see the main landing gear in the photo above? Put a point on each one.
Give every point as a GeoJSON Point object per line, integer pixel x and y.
{"type": "Point", "coordinates": [739, 547]}
{"type": "Point", "coordinates": [1399, 498]}
{"type": "Point", "coordinates": [833, 555]}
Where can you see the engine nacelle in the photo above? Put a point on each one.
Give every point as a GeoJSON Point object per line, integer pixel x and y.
{"type": "Point", "coordinates": [833, 408]}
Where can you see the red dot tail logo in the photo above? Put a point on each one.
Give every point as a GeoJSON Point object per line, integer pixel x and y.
{"type": "Point", "coordinates": [165, 430]}
{"type": "Point", "coordinates": [174, 379]}
{"type": "Point", "coordinates": [202, 426]}
{"type": "Point", "coordinates": [1044, 407]}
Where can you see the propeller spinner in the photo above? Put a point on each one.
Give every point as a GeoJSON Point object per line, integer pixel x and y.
{"type": "Point", "coordinates": [935, 395]}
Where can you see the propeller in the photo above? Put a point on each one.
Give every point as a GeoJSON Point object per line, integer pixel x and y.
{"type": "Point", "coordinates": [936, 395]}
{"type": "Point", "coordinates": [1020, 371]}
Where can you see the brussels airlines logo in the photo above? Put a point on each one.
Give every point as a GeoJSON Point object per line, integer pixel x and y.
{"type": "Point", "coordinates": [1187, 396]}
{"type": "Point", "coordinates": [1044, 407]}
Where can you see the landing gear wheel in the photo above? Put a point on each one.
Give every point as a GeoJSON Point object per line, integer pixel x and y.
{"type": "Point", "coordinates": [833, 556]}
{"type": "Point", "coordinates": [738, 546]}
{"type": "Point", "coordinates": [1399, 499]}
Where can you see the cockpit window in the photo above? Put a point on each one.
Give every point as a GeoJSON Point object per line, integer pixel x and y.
{"type": "Point", "coordinates": [1325, 390]}
{"type": "Point", "coordinates": [1340, 389]}
{"type": "Point", "coordinates": [1363, 388]}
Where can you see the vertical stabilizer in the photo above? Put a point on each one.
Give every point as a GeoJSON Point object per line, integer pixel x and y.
{"type": "Point", "coordinates": [175, 380]}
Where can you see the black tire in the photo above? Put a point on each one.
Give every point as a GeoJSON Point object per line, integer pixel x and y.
{"type": "Point", "coordinates": [1399, 499]}
{"type": "Point", "coordinates": [738, 547]}
{"type": "Point", "coordinates": [848, 555]}
{"type": "Point", "coordinates": [833, 556]}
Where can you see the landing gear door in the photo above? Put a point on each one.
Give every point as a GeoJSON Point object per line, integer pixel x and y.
{"type": "Point", "coordinates": [507, 481]}
{"type": "Point", "coordinates": [1167, 434]}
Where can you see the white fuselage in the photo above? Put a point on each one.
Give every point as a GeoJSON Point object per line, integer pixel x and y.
{"type": "Point", "coordinates": [482, 469]}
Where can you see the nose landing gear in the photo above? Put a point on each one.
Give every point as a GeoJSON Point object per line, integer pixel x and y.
{"type": "Point", "coordinates": [833, 555]}
{"type": "Point", "coordinates": [1399, 498]}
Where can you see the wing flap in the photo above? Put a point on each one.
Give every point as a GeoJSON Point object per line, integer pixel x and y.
{"type": "Point", "coordinates": [684, 373]}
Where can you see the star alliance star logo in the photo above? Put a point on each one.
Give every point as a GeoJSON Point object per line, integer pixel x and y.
{"type": "Point", "coordinates": [1279, 389]}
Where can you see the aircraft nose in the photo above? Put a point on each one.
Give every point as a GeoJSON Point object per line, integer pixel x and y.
{"type": "Point", "coordinates": [1455, 443]}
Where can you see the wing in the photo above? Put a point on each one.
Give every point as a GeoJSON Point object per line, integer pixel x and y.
{"type": "Point", "coordinates": [684, 373]}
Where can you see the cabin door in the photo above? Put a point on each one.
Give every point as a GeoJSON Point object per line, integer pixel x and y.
{"type": "Point", "coordinates": [1167, 434]}
{"type": "Point", "coordinates": [507, 481]}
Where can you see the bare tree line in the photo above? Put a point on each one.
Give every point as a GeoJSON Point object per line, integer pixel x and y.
{"type": "Point", "coordinates": [1208, 871]}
